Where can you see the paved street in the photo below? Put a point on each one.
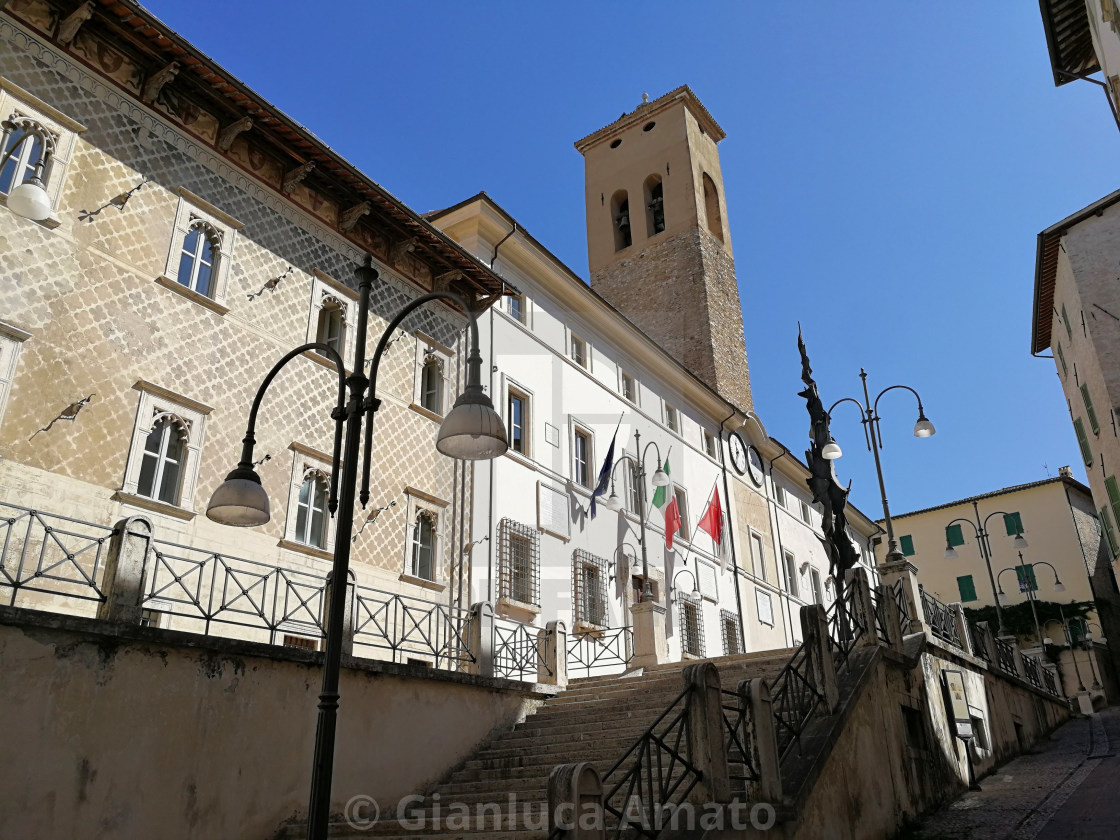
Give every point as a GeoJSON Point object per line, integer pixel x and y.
{"type": "Point", "coordinates": [1066, 790]}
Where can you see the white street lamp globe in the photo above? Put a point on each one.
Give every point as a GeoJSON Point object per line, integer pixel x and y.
{"type": "Point", "coordinates": [1019, 542]}
{"type": "Point", "coordinates": [1048, 641]}
{"type": "Point", "coordinates": [923, 428]}
{"type": "Point", "coordinates": [831, 451]}
{"type": "Point", "coordinates": [660, 478]}
{"type": "Point", "coordinates": [696, 593]}
{"type": "Point", "coordinates": [240, 500]}
{"type": "Point", "coordinates": [611, 502]}
{"type": "Point", "coordinates": [472, 430]}
{"type": "Point", "coordinates": [1059, 586]}
{"type": "Point", "coordinates": [1003, 599]}
{"type": "Point", "coordinates": [950, 553]}
{"type": "Point", "coordinates": [30, 200]}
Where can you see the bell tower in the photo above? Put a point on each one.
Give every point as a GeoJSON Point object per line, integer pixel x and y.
{"type": "Point", "coordinates": [658, 243]}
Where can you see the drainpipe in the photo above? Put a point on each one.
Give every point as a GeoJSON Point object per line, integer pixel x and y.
{"type": "Point", "coordinates": [493, 539]}
{"type": "Point", "coordinates": [779, 549]}
{"type": "Point", "coordinates": [731, 537]}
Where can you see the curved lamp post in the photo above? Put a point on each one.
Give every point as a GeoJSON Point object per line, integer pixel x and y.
{"type": "Point", "coordinates": [872, 433]}
{"type": "Point", "coordinates": [980, 528]}
{"type": "Point", "coordinates": [28, 198]}
{"type": "Point", "coordinates": [472, 430]}
{"type": "Point", "coordinates": [1004, 600]}
{"type": "Point", "coordinates": [695, 585]}
{"type": "Point", "coordinates": [612, 502]}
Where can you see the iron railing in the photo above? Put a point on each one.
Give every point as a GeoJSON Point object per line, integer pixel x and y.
{"type": "Point", "coordinates": [846, 626]}
{"type": "Point", "coordinates": [899, 595]}
{"type": "Point", "coordinates": [656, 774]}
{"type": "Point", "coordinates": [1050, 681]}
{"type": "Point", "coordinates": [1031, 670]}
{"type": "Point", "coordinates": [604, 651]}
{"type": "Point", "coordinates": [194, 584]}
{"type": "Point", "coordinates": [795, 697]}
{"type": "Point", "coordinates": [52, 554]}
{"type": "Point", "coordinates": [519, 651]}
{"type": "Point", "coordinates": [941, 620]}
{"type": "Point", "coordinates": [743, 771]}
{"type": "Point", "coordinates": [411, 629]}
{"type": "Point", "coordinates": [1005, 651]}
{"type": "Point", "coordinates": [980, 638]}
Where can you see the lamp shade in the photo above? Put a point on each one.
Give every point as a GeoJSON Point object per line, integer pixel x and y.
{"type": "Point", "coordinates": [1048, 641]}
{"type": "Point", "coordinates": [240, 500]}
{"type": "Point", "coordinates": [30, 200]}
{"type": "Point", "coordinates": [696, 593]}
{"type": "Point", "coordinates": [923, 428]}
{"type": "Point", "coordinates": [1059, 586]}
{"type": "Point", "coordinates": [1003, 599]}
{"type": "Point", "coordinates": [611, 502]}
{"type": "Point", "coordinates": [831, 451]}
{"type": "Point", "coordinates": [1019, 542]}
{"type": "Point", "coordinates": [660, 478]}
{"type": "Point", "coordinates": [950, 553]}
{"type": "Point", "coordinates": [472, 430]}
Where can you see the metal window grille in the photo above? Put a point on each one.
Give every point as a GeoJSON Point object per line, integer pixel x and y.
{"type": "Point", "coordinates": [589, 579]}
{"type": "Point", "coordinates": [729, 622]}
{"type": "Point", "coordinates": [691, 625]}
{"type": "Point", "coordinates": [520, 562]}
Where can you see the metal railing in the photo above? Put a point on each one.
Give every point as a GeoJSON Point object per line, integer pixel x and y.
{"type": "Point", "coordinates": [519, 651]}
{"type": "Point", "coordinates": [980, 637]}
{"type": "Point", "coordinates": [604, 651]}
{"type": "Point", "coordinates": [743, 773]}
{"type": "Point", "coordinates": [795, 697]}
{"type": "Point", "coordinates": [654, 775]}
{"type": "Point", "coordinates": [899, 595]}
{"type": "Point", "coordinates": [196, 585]}
{"type": "Point", "coordinates": [51, 554]}
{"type": "Point", "coordinates": [1005, 652]}
{"type": "Point", "coordinates": [942, 621]}
{"type": "Point", "coordinates": [1050, 681]}
{"type": "Point", "coordinates": [1031, 670]}
{"type": "Point", "coordinates": [846, 626]}
{"type": "Point", "coordinates": [411, 628]}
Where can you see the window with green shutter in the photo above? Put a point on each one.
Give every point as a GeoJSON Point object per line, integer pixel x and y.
{"type": "Point", "coordinates": [1025, 575]}
{"type": "Point", "coordinates": [967, 588]}
{"type": "Point", "coordinates": [1089, 410]}
{"type": "Point", "coordinates": [907, 545]}
{"type": "Point", "coordinates": [1062, 359]}
{"type": "Point", "coordinates": [1065, 320]}
{"type": "Point", "coordinates": [1083, 442]}
{"type": "Point", "coordinates": [954, 535]}
{"type": "Point", "coordinates": [1013, 523]}
{"type": "Point", "coordinates": [1113, 495]}
{"type": "Point", "coordinates": [1109, 533]}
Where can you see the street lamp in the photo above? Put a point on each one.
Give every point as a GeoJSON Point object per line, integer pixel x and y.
{"type": "Point", "coordinates": [660, 479]}
{"type": "Point", "coordinates": [472, 430]}
{"type": "Point", "coordinates": [28, 198]}
{"type": "Point", "coordinates": [872, 433]}
{"type": "Point", "coordinates": [1072, 651]}
{"type": "Point", "coordinates": [1025, 585]}
{"type": "Point", "coordinates": [979, 527]}
{"type": "Point", "coordinates": [674, 592]}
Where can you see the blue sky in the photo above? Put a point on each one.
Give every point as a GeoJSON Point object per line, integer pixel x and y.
{"type": "Point", "coordinates": [887, 169]}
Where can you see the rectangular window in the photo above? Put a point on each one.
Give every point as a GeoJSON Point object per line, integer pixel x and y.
{"type": "Point", "coordinates": [589, 579]}
{"type": "Point", "coordinates": [780, 494]}
{"type": "Point", "coordinates": [1061, 358]}
{"type": "Point", "coordinates": [628, 387]}
{"type": "Point", "coordinates": [579, 351]}
{"type": "Point", "coordinates": [1013, 523]}
{"type": "Point", "coordinates": [1090, 412]}
{"type": "Point", "coordinates": [906, 543]}
{"type": "Point", "coordinates": [967, 588]}
{"type": "Point", "coordinates": [581, 458]}
{"type": "Point", "coordinates": [201, 250]}
{"type": "Point", "coordinates": [758, 554]}
{"type": "Point", "coordinates": [672, 419]}
{"type": "Point", "coordinates": [691, 626]}
{"type": "Point", "coordinates": [1083, 442]}
{"type": "Point", "coordinates": [729, 625]}
{"type": "Point", "coordinates": [1065, 320]}
{"type": "Point", "coordinates": [11, 340]}
{"type": "Point", "coordinates": [519, 559]}
{"type": "Point", "coordinates": [630, 475]}
{"type": "Point", "coordinates": [517, 421]}
{"type": "Point", "coordinates": [1109, 533]}
{"type": "Point", "coordinates": [431, 384]}
{"type": "Point", "coordinates": [954, 535]}
{"type": "Point", "coordinates": [791, 573]}
{"type": "Point", "coordinates": [709, 444]}
{"type": "Point", "coordinates": [806, 517]}
{"type": "Point", "coordinates": [818, 590]}
{"type": "Point", "coordinates": [682, 504]}
{"type": "Point", "coordinates": [516, 308]}
{"type": "Point", "coordinates": [166, 447]}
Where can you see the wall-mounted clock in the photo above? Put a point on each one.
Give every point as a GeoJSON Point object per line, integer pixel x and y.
{"type": "Point", "coordinates": [738, 449]}
{"type": "Point", "coordinates": [754, 466]}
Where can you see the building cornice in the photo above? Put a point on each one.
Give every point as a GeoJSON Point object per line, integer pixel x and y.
{"type": "Point", "coordinates": [648, 110]}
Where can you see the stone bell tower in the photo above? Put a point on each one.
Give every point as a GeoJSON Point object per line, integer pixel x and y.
{"type": "Point", "coordinates": [658, 243]}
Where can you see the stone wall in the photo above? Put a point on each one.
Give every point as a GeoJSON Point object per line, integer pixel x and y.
{"type": "Point", "coordinates": [115, 731]}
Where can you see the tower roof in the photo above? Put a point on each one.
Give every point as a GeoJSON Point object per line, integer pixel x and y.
{"type": "Point", "coordinates": [648, 109]}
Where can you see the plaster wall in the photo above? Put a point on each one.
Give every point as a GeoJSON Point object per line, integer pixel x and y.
{"type": "Point", "coordinates": [228, 734]}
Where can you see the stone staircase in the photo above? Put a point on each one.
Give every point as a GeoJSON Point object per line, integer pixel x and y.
{"type": "Point", "coordinates": [596, 720]}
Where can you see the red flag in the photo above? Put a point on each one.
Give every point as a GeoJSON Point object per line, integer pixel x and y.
{"type": "Point", "coordinates": [672, 521]}
{"type": "Point", "coordinates": [712, 520]}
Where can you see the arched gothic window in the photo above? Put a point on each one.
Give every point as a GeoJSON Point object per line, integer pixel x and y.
{"type": "Point", "coordinates": [431, 384]}
{"type": "Point", "coordinates": [711, 208]}
{"type": "Point", "coordinates": [34, 146]}
{"type": "Point", "coordinates": [311, 510]}
{"type": "Point", "coordinates": [655, 205]}
{"type": "Point", "coordinates": [620, 216]}
{"type": "Point", "coordinates": [198, 263]}
{"type": "Point", "coordinates": [424, 546]}
{"type": "Point", "coordinates": [161, 468]}
{"type": "Point", "coordinates": [331, 329]}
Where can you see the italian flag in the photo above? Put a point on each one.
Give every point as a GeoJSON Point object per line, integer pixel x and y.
{"type": "Point", "coordinates": [666, 502]}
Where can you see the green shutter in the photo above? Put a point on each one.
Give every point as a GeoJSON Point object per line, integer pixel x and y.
{"type": "Point", "coordinates": [1077, 630]}
{"type": "Point", "coordinates": [1062, 359]}
{"type": "Point", "coordinates": [954, 535]}
{"type": "Point", "coordinates": [907, 544]}
{"type": "Point", "coordinates": [1013, 524]}
{"type": "Point", "coordinates": [1113, 495]}
{"type": "Point", "coordinates": [1025, 575]}
{"type": "Point", "coordinates": [1109, 534]}
{"type": "Point", "coordinates": [1089, 410]}
{"type": "Point", "coordinates": [1083, 442]}
{"type": "Point", "coordinates": [967, 588]}
{"type": "Point", "coordinates": [1065, 319]}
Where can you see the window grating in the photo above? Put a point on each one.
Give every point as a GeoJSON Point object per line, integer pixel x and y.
{"type": "Point", "coordinates": [519, 562]}
{"type": "Point", "coordinates": [729, 626]}
{"type": "Point", "coordinates": [589, 582]}
{"type": "Point", "coordinates": [692, 625]}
